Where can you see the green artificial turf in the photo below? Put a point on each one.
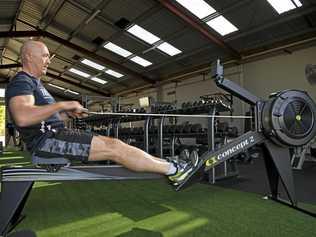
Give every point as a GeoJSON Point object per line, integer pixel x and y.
{"type": "Point", "coordinates": [150, 208]}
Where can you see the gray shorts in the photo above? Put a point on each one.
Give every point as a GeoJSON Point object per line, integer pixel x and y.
{"type": "Point", "coordinates": [71, 144]}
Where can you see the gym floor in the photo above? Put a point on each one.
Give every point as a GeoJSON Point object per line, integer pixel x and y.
{"type": "Point", "coordinates": [152, 208]}
{"type": "Point", "coordinates": [253, 178]}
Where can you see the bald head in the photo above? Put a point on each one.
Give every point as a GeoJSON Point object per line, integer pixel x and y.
{"type": "Point", "coordinates": [30, 47]}
{"type": "Point", "coordinates": [35, 57]}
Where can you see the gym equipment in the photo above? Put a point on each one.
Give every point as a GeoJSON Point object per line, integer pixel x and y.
{"type": "Point", "coordinates": [119, 114]}
{"type": "Point", "coordinates": [299, 155]}
{"type": "Point", "coordinates": [286, 119]}
{"type": "Point", "coordinates": [310, 73]}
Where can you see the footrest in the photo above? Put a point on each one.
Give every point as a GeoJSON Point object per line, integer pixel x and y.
{"type": "Point", "coordinates": [51, 164]}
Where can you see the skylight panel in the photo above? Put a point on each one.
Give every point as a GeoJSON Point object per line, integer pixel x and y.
{"type": "Point", "coordinates": [117, 49]}
{"type": "Point", "coordinates": [114, 73]}
{"type": "Point", "coordinates": [284, 5]}
{"type": "Point", "coordinates": [169, 49]}
{"type": "Point", "coordinates": [143, 34]}
{"type": "Point", "coordinates": [72, 92]}
{"type": "Point", "coordinates": [141, 61]}
{"type": "Point", "coordinates": [198, 7]}
{"type": "Point", "coordinates": [222, 25]}
{"type": "Point", "coordinates": [92, 64]}
{"type": "Point", "coordinates": [80, 73]}
{"type": "Point", "coordinates": [98, 80]}
{"type": "Point", "coordinates": [55, 86]}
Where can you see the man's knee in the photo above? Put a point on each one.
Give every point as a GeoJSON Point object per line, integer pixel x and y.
{"type": "Point", "coordinates": [106, 147]}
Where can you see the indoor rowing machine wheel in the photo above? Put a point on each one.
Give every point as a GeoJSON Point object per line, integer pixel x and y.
{"type": "Point", "coordinates": [288, 118]}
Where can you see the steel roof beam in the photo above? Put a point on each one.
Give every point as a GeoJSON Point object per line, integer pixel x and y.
{"type": "Point", "coordinates": [9, 66]}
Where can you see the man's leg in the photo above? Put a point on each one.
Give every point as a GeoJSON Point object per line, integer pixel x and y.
{"type": "Point", "coordinates": [83, 146]}
{"type": "Point", "coordinates": [106, 148]}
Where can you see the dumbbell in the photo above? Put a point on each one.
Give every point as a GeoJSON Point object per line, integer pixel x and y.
{"type": "Point", "coordinates": [195, 104]}
{"type": "Point", "coordinates": [187, 128]}
{"type": "Point", "coordinates": [195, 128]}
{"type": "Point", "coordinates": [186, 105]}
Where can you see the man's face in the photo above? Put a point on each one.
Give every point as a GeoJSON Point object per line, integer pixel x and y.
{"type": "Point", "coordinates": [40, 59]}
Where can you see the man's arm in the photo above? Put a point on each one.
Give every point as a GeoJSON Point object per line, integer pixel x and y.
{"type": "Point", "coordinates": [26, 113]}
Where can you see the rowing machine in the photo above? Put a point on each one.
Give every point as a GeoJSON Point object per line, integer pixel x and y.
{"type": "Point", "coordinates": [286, 119]}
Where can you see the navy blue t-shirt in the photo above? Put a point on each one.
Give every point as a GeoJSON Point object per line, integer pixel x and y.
{"type": "Point", "coordinates": [25, 84]}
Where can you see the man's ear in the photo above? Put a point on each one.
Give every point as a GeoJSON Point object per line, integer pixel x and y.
{"type": "Point", "coordinates": [27, 57]}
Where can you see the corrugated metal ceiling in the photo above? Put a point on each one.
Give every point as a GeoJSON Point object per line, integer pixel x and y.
{"type": "Point", "coordinates": [87, 25]}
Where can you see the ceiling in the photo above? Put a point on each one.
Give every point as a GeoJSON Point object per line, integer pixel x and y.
{"type": "Point", "coordinates": [77, 29]}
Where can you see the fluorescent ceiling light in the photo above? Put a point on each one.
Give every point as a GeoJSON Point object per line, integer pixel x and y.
{"type": "Point", "coordinates": [284, 5]}
{"type": "Point", "coordinates": [114, 73]}
{"type": "Point", "coordinates": [98, 80]}
{"type": "Point", "coordinates": [141, 61]}
{"type": "Point", "coordinates": [169, 49]}
{"type": "Point", "coordinates": [55, 86]}
{"type": "Point", "coordinates": [72, 92]}
{"type": "Point", "coordinates": [143, 34]}
{"type": "Point", "coordinates": [198, 7]}
{"type": "Point", "coordinates": [222, 25]}
{"type": "Point", "coordinates": [92, 64]}
{"type": "Point", "coordinates": [117, 49]}
{"type": "Point", "coordinates": [78, 72]}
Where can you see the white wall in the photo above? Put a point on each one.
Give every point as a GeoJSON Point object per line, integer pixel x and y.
{"type": "Point", "coordinates": [281, 72]}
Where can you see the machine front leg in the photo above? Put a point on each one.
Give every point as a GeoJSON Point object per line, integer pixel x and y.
{"type": "Point", "coordinates": [13, 198]}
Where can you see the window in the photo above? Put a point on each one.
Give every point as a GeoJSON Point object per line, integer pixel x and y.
{"type": "Point", "coordinates": [98, 80]}
{"type": "Point", "coordinates": [222, 25]}
{"type": "Point", "coordinates": [284, 5]}
{"type": "Point", "coordinates": [114, 73]}
{"type": "Point", "coordinates": [197, 7]}
{"type": "Point", "coordinates": [92, 64]}
{"type": "Point", "coordinates": [117, 49]}
{"type": "Point", "coordinates": [169, 49]}
{"type": "Point", "coordinates": [80, 73]}
{"type": "Point", "coordinates": [141, 61]}
{"type": "Point", "coordinates": [143, 34]}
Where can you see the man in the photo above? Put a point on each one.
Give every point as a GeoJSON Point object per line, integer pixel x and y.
{"type": "Point", "coordinates": [39, 119]}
